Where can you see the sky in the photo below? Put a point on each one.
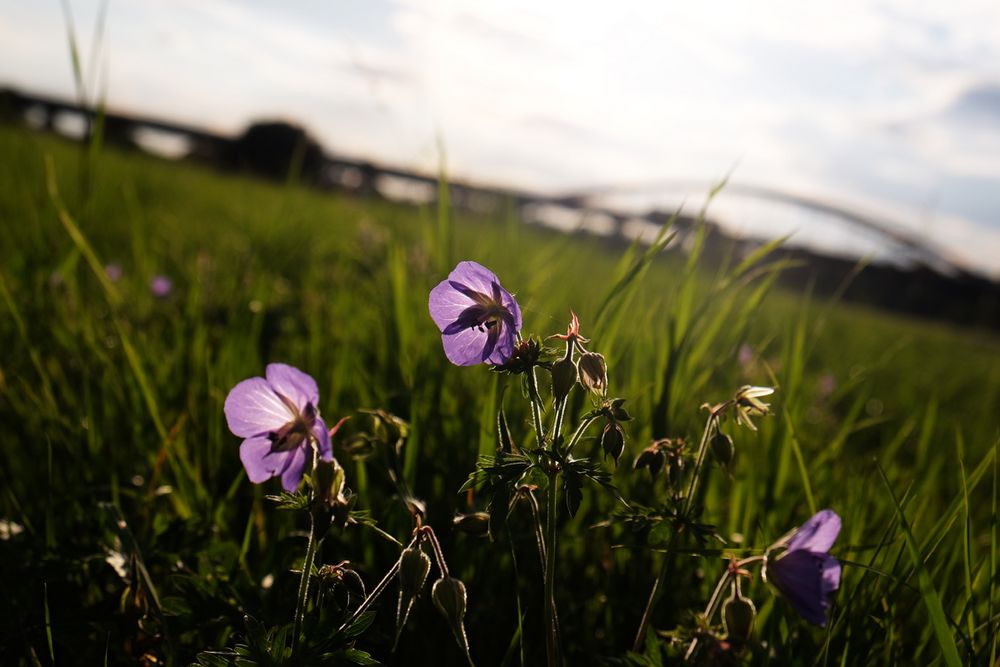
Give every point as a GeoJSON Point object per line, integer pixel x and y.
{"type": "Point", "coordinates": [890, 108]}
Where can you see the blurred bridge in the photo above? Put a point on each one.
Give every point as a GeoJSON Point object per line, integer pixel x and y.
{"type": "Point", "coordinates": [932, 285]}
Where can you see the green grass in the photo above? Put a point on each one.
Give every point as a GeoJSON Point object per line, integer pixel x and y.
{"type": "Point", "coordinates": [112, 398]}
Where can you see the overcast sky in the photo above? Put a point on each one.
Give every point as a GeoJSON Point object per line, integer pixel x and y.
{"type": "Point", "coordinates": [890, 107]}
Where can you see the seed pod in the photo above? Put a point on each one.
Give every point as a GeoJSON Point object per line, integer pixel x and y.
{"type": "Point", "coordinates": [722, 448]}
{"type": "Point", "coordinates": [563, 377]}
{"type": "Point", "coordinates": [613, 440]}
{"type": "Point", "coordinates": [593, 372]}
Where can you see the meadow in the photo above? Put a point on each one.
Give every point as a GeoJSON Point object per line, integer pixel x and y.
{"type": "Point", "coordinates": [131, 534]}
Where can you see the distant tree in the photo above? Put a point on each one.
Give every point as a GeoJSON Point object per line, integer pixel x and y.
{"type": "Point", "coordinates": [274, 149]}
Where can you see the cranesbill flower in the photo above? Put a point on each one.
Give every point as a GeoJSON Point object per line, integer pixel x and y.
{"type": "Point", "coordinates": [805, 573]}
{"type": "Point", "coordinates": [279, 420]}
{"type": "Point", "coordinates": [479, 320]}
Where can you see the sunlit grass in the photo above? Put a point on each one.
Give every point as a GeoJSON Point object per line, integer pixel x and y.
{"type": "Point", "coordinates": [119, 399]}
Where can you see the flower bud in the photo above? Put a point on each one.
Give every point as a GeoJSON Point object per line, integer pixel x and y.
{"type": "Point", "coordinates": [613, 440]}
{"type": "Point", "coordinates": [449, 597]}
{"type": "Point", "coordinates": [476, 523]}
{"type": "Point", "coordinates": [563, 377]}
{"type": "Point", "coordinates": [722, 448]}
{"type": "Point", "coordinates": [738, 614]}
{"type": "Point", "coordinates": [593, 372]}
{"type": "Point", "coordinates": [413, 568]}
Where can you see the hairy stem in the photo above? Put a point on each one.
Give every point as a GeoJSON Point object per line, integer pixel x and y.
{"type": "Point", "coordinates": [377, 591]}
{"type": "Point", "coordinates": [307, 563]}
{"type": "Point", "coordinates": [713, 603]}
{"type": "Point", "coordinates": [551, 619]}
{"type": "Point", "coordinates": [654, 594]}
{"type": "Point", "coordinates": [536, 410]}
{"type": "Point", "coordinates": [584, 425]}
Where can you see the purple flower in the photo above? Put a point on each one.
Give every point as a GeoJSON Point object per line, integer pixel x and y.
{"type": "Point", "coordinates": [805, 573]}
{"type": "Point", "coordinates": [479, 320]}
{"type": "Point", "coordinates": [279, 419]}
{"type": "Point", "coordinates": [161, 286]}
{"type": "Point", "coordinates": [113, 271]}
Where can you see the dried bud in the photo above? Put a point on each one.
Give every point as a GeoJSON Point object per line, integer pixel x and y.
{"type": "Point", "coordinates": [613, 440]}
{"type": "Point", "coordinates": [653, 457]}
{"type": "Point", "coordinates": [614, 410]}
{"type": "Point", "coordinates": [563, 375]}
{"type": "Point", "coordinates": [738, 614]}
{"type": "Point", "coordinates": [476, 523]}
{"type": "Point", "coordinates": [722, 448]}
{"type": "Point", "coordinates": [748, 404]}
{"type": "Point", "coordinates": [593, 372]}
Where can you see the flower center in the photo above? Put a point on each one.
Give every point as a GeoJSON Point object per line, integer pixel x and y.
{"type": "Point", "coordinates": [296, 432]}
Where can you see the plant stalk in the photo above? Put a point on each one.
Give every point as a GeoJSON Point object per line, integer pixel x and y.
{"type": "Point", "coordinates": [551, 619]}
{"type": "Point", "coordinates": [654, 594]}
{"type": "Point", "coordinates": [307, 563]}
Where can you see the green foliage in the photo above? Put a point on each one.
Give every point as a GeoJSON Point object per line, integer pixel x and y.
{"type": "Point", "coordinates": [140, 535]}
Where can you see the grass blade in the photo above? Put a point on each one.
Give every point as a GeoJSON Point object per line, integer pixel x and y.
{"type": "Point", "coordinates": [935, 611]}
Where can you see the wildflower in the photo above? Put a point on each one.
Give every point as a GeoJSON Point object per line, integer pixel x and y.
{"type": "Point", "coordinates": [805, 573]}
{"type": "Point", "coordinates": [113, 271]}
{"type": "Point", "coordinates": [479, 320]}
{"type": "Point", "coordinates": [745, 355]}
{"type": "Point", "coordinates": [161, 286]}
{"type": "Point", "coordinates": [747, 404]}
{"type": "Point", "coordinates": [279, 420]}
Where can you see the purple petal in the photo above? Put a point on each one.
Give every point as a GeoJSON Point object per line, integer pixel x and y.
{"type": "Point", "coordinates": [252, 408]}
{"type": "Point", "coordinates": [475, 276]}
{"type": "Point", "coordinates": [259, 461]}
{"type": "Point", "coordinates": [446, 304]}
{"type": "Point", "coordinates": [465, 348]}
{"type": "Point", "coordinates": [293, 384]}
{"type": "Point", "coordinates": [322, 435]}
{"type": "Point", "coordinates": [818, 533]}
{"type": "Point", "coordinates": [831, 575]}
{"type": "Point", "coordinates": [292, 474]}
{"type": "Point", "coordinates": [801, 578]}
{"type": "Point", "coordinates": [504, 347]}
{"type": "Point", "coordinates": [510, 303]}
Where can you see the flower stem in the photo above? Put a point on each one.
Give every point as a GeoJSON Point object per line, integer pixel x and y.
{"type": "Point", "coordinates": [654, 594]}
{"type": "Point", "coordinates": [584, 425]}
{"type": "Point", "coordinates": [377, 591]}
{"type": "Point", "coordinates": [551, 618]}
{"type": "Point", "coordinates": [536, 411]}
{"type": "Point", "coordinates": [713, 603]}
{"type": "Point", "coordinates": [307, 563]}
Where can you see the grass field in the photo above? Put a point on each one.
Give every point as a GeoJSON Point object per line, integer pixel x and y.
{"type": "Point", "coordinates": [112, 402]}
